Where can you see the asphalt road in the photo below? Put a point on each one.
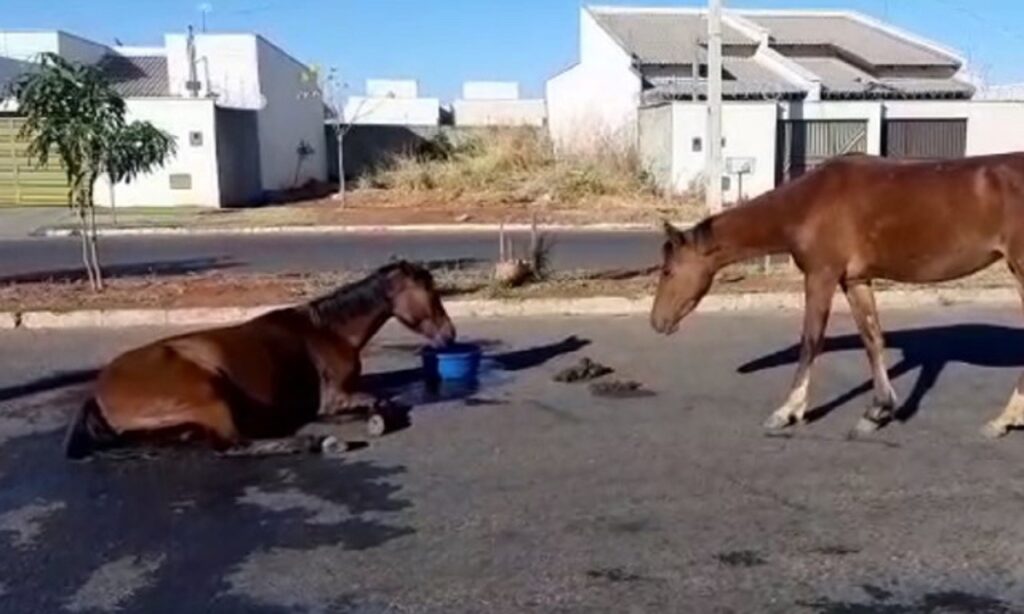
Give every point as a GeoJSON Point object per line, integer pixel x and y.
{"type": "Point", "coordinates": [532, 496]}
{"type": "Point", "coordinates": [40, 258]}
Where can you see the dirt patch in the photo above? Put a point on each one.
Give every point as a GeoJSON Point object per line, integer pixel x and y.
{"type": "Point", "coordinates": [386, 208]}
{"type": "Point", "coordinates": [620, 389]}
{"type": "Point", "coordinates": [741, 558]}
{"type": "Point", "coordinates": [222, 289]}
{"type": "Point", "coordinates": [614, 575]}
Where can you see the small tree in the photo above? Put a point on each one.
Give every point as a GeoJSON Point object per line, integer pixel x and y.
{"type": "Point", "coordinates": [135, 149]}
{"type": "Point", "coordinates": [329, 88]}
{"type": "Point", "coordinates": [71, 111]}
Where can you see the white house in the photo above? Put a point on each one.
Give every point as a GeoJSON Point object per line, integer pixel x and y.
{"type": "Point", "coordinates": [392, 102]}
{"type": "Point", "coordinates": [247, 118]}
{"type": "Point", "coordinates": [497, 103]}
{"type": "Point", "coordinates": [799, 87]}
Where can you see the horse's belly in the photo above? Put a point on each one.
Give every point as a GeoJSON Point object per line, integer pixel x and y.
{"type": "Point", "coordinates": [932, 267]}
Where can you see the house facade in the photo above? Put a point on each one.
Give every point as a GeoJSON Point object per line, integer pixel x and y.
{"type": "Point", "coordinates": [798, 86]}
{"type": "Point", "coordinates": [392, 102]}
{"type": "Point", "coordinates": [247, 118]}
{"type": "Point", "coordinates": [497, 104]}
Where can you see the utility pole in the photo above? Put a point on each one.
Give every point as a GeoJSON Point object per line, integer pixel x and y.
{"type": "Point", "coordinates": [205, 9]}
{"type": "Point", "coordinates": [192, 85]}
{"type": "Point", "coordinates": [714, 149]}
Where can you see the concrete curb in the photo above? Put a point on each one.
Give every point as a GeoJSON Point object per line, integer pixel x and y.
{"type": "Point", "coordinates": [594, 306]}
{"type": "Point", "coordinates": [9, 321]}
{"type": "Point", "coordinates": [350, 229]}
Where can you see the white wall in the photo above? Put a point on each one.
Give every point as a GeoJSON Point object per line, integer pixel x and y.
{"type": "Point", "coordinates": [490, 90]}
{"type": "Point", "coordinates": [293, 114]}
{"type": "Point", "coordinates": [226, 66]}
{"type": "Point", "coordinates": [178, 117]}
{"type": "Point", "coordinates": [750, 131]}
{"type": "Point", "coordinates": [392, 111]}
{"type": "Point", "coordinates": [995, 127]}
{"type": "Point", "coordinates": [655, 144]}
{"type": "Point", "coordinates": [499, 112]}
{"type": "Point", "coordinates": [27, 45]}
{"type": "Point", "coordinates": [598, 98]}
{"type": "Point", "coordinates": [243, 71]}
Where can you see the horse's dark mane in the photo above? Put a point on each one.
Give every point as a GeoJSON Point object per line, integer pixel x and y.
{"type": "Point", "coordinates": [357, 298]}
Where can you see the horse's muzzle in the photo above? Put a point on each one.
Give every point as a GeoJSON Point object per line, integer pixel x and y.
{"type": "Point", "coordinates": [445, 335]}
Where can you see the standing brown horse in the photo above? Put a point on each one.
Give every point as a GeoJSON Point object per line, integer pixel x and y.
{"type": "Point", "coordinates": [261, 379]}
{"type": "Point", "coordinates": [856, 219]}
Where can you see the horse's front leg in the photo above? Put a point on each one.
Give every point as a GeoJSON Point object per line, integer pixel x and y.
{"type": "Point", "coordinates": [818, 291]}
{"type": "Point", "coordinates": [1013, 415]}
{"type": "Point", "coordinates": [865, 314]}
{"type": "Point", "coordinates": [340, 370]}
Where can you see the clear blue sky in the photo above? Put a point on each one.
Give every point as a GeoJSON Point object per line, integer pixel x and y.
{"type": "Point", "coordinates": [445, 42]}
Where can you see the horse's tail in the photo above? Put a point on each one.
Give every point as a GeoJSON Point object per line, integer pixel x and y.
{"type": "Point", "coordinates": [88, 432]}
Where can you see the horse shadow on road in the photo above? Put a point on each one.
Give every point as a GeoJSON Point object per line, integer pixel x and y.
{"type": "Point", "coordinates": [927, 350]}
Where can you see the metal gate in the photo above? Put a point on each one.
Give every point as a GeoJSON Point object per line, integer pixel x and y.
{"type": "Point", "coordinates": [925, 139]}
{"type": "Point", "coordinates": [805, 144]}
{"type": "Point", "coordinates": [21, 181]}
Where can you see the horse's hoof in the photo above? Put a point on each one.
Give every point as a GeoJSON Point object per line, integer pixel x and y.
{"type": "Point", "coordinates": [994, 430]}
{"type": "Point", "coordinates": [376, 426]}
{"type": "Point", "coordinates": [777, 422]}
{"type": "Point", "coordinates": [331, 446]}
{"type": "Point", "coordinates": [866, 426]}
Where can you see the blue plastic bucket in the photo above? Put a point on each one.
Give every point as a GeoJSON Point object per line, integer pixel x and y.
{"type": "Point", "coordinates": [458, 361]}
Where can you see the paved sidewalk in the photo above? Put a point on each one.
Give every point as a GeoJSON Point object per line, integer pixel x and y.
{"type": "Point", "coordinates": [20, 222]}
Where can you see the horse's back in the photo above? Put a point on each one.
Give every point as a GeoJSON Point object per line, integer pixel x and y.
{"type": "Point", "coordinates": [261, 364]}
{"type": "Point", "coordinates": [914, 221]}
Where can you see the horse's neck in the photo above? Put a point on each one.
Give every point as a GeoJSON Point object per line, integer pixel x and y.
{"type": "Point", "coordinates": [749, 231]}
{"type": "Point", "coordinates": [357, 330]}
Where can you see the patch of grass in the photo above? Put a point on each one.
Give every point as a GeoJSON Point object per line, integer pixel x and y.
{"type": "Point", "coordinates": [515, 166]}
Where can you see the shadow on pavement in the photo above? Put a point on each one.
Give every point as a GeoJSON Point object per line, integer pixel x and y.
{"type": "Point", "coordinates": [115, 271]}
{"type": "Point", "coordinates": [48, 383]}
{"type": "Point", "coordinates": [927, 350]}
{"type": "Point", "coordinates": [198, 516]}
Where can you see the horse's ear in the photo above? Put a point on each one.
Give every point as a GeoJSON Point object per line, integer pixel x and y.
{"type": "Point", "coordinates": [674, 235]}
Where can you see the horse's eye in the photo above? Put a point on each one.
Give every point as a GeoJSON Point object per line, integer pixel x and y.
{"type": "Point", "coordinates": [666, 271]}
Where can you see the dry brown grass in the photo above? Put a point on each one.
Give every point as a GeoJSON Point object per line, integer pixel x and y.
{"type": "Point", "coordinates": [518, 166]}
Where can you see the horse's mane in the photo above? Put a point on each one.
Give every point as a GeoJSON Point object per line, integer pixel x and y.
{"type": "Point", "coordinates": [357, 298]}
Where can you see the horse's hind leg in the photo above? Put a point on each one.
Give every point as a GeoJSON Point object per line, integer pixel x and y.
{"type": "Point", "coordinates": [818, 293]}
{"type": "Point", "coordinates": [1013, 414]}
{"type": "Point", "coordinates": [865, 314]}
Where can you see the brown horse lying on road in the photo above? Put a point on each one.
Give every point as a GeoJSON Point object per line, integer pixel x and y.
{"type": "Point", "coordinates": [856, 219]}
{"type": "Point", "coordinates": [262, 379]}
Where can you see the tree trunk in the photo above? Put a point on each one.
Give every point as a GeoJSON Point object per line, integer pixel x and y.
{"type": "Point", "coordinates": [93, 235]}
{"type": "Point", "coordinates": [341, 164]}
{"type": "Point", "coordinates": [83, 233]}
{"type": "Point", "coordinates": [113, 200]}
